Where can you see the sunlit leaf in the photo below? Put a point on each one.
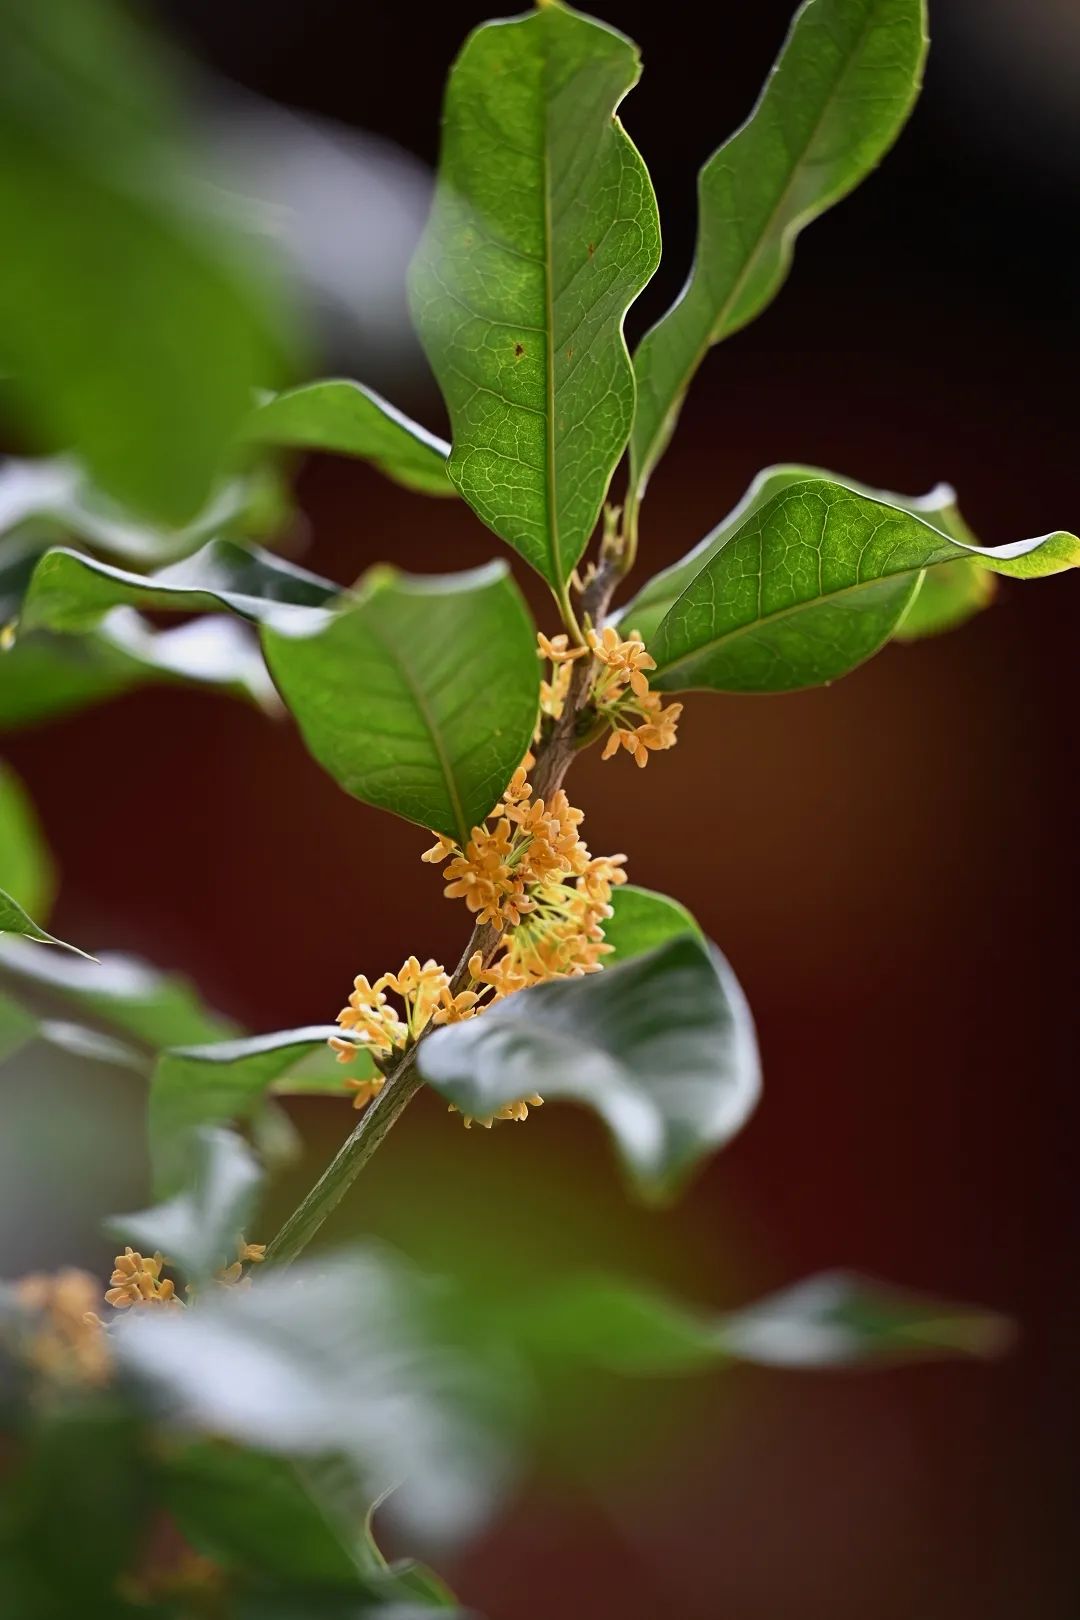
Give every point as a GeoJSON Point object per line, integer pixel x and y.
{"type": "Point", "coordinates": [420, 696]}
{"type": "Point", "coordinates": [948, 597]}
{"type": "Point", "coordinates": [227, 1081]}
{"type": "Point", "coordinates": [132, 322]}
{"type": "Point", "coordinates": [544, 231]}
{"type": "Point", "coordinates": [662, 1047]}
{"type": "Point", "coordinates": [200, 1226]}
{"type": "Point", "coordinates": [811, 585]}
{"type": "Point", "coordinates": [352, 420]}
{"type": "Point", "coordinates": [834, 103]}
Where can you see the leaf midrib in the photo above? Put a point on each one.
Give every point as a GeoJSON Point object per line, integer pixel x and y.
{"type": "Point", "coordinates": [416, 692]}
{"type": "Point", "coordinates": [806, 606]}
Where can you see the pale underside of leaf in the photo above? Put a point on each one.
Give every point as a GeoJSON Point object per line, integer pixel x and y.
{"type": "Point", "coordinates": [543, 232]}
{"type": "Point", "coordinates": [845, 81]}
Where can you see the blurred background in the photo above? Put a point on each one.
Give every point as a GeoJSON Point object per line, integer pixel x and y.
{"type": "Point", "coordinates": [890, 865]}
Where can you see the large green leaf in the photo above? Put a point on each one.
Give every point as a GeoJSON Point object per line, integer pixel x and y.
{"type": "Point", "coordinates": [659, 593]}
{"type": "Point", "coordinates": [72, 592]}
{"type": "Point", "coordinates": [132, 323]}
{"type": "Point", "coordinates": [832, 106]}
{"type": "Point", "coordinates": [662, 1046]}
{"type": "Point", "coordinates": [642, 919]}
{"type": "Point", "coordinates": [544, 230]}
{"type": "Point", "coordinates": [353, 420]}
{"type": "Point", "coordinates": [225, 1081]}
{"type": "Point", "coordinates": [355, 1357]}
{"type": "Point", "coordinates": [26, 867]}
{"type": "Point", "coordinates": [837, 1319]}
{"type": "Point", "coordinates": [200, 1226]}
{"type": "Point", "coordinates": [420, 696]}
{"type": "Point", "coordinates": [812, 584]}
{"type": "Point", "coordinates": [120, 992]}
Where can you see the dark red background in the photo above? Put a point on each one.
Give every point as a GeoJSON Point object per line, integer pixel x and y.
{"type": "Point", "coordinates": [891, 866]}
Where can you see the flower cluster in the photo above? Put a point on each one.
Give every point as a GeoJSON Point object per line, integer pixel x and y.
{"type": "Point", "coordinates": [639, 721]}
{"type": "Point", "coordinates": [63, 1338]}
{"type": "Point", "coordinates": [528, 874]}
{"type": "Point", "coordinates": [137, 1280]}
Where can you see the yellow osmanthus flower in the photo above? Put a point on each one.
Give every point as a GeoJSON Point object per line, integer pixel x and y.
{"type": "Point", "coordinates": [137, 1280]}
{"type": "Point", "coordinates": [639, 722]}
{"type": "Point", "coordinates": [247, 1254]}
{"type": "Point", "coordinates": [64, 1337]}
{"type": "Point", "coordinates": [518, 1111]}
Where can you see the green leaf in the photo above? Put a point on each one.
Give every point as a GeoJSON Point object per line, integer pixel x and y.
{"type": "Point", "coordinates": [352, 420]}
{"type": "Point", "coordinates": [227, 1081]}
{"type": "Point", "coordinates": [834, 103]}
{"type": "Point", "coordinates": [811, 585]}
{"type": "Point", "coordinates": [69, 591]}
{"type": "Point", "coordinates": [420, 696]}
{"type": "Point", "coordinates": [544, 230]}
{"type": "Point", "coordinates": [836, 1319]}
{"type": "Point", "coordinates": [46, 675]}
{"type": "Point", "coordinates": [947, 598]}
{"type": "Point", "coordinates": [661, 1046]}
{"type": "Point", "coordinates": [14, 920]}
{"type": "Point", "coordinates": [259, 1514]}
{"type": "Point", "coordinates": [658, 594]}
{"type": "Point", "coordinates": [200, 1227]}
{"type": "Point", "coordinates": [132, 319]}
{"type": "Point", "coordinates": [354, 1357]}
{"type": "Point", "coordinates": [642, 919]}
{"type": "Point", "coordinates": [54, 498]}
{"type": "Point", "coordinates": [26, 867]}
{"type": "Point", "coordinates": [121, 992]}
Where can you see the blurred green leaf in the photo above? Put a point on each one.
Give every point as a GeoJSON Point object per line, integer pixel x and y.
{"type": "Point", "coordinates": [72, 592]}
{"type": "Point", "coordinates": [26, 867]}
{"type": "Point", "coordinates": [16, 1027]}
{"type": "Point", "coordinates": [121, 992]}
{"type": "Point", "coordinates": [642, 919]}
{"type": "Point", "coordinates": [352, 420]}
{"type": "Point", "coordinates": [420, 696]}
{"type": "Point", "coordinates": [835, 101]}
{"type": "Point", "coordinates": [543, 232]}
{"type": "Point", "coordinates": [228, 1081]}
{"type": "Point", "coordinates": [200, 1227]}
{"type": "Point", "coordinates": [260, 1514]}
{"type": "Point", "coordinates": [356, 1357]}
{"type": "Point", "coordinates": [811, 585]}
{"type": "Point", "coordinates": [658, 594]}
{"type": "Point", "coordinates": [662, 1046]}
{"type": "Point", "coordinates": [836, 1319]}
{"type": "Point", "coordinates": [52, 499]}
{"type": "Point", "coordinates": [132, 319]}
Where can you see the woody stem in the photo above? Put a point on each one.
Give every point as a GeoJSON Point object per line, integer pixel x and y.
{"type": "Point", "coordinates": [403, 1081]}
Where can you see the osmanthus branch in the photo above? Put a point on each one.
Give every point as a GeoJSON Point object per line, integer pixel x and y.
{"type": "Point", "coordinates": [554, 755]}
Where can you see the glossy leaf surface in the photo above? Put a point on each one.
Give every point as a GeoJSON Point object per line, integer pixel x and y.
{"type": "Point", "coordinates": [833, 104]}
{"type": "Point", "coordinates": [811, 585]}
{"type": "Point", "coordinates": [641, 920]}
{"type": "Point", "coordinates": [543, 232]}
{"type": "Point", "coordinates": [661, 1046]}
{"type": "Point", "coordinates": [420, 696]}
{"type": "Point", "coordinates": [345, 417]}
